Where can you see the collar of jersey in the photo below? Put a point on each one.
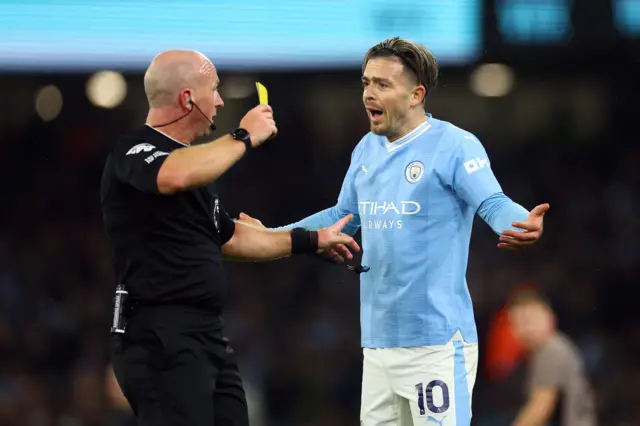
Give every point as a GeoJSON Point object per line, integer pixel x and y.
{"type": "Point", "coordinates": [423, 127]}
{"type": "Point", "coordinates": [165, 135]}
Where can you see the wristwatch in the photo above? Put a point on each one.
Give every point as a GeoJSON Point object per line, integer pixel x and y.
{"type": "Point", "coordinates": [242, 135]}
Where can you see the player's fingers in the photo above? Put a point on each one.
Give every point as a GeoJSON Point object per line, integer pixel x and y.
{"type": "Point", "coordinates": [521, 236]}
{"type": "Point", "coordinates": [339, 248]}
{"type": "Point", "coordinates": [512, 241]}
{"type": "Point", "coordinates": [343, 222]}
{"type": "Point", "coordinates": [336, 257]}
{"type": "Point", "coordinates": [516, 243]}
{"type": "Point", "coordinates": [507, 247]}
{"type": "Point", "coordinates": [541, 209]}
{"type": "Point", "coordinates": [344, 239]}
{"type": "Point", "coordinates": [527, 226]}
{"type": "Point", "coordinates": [344, 251]}
{"type": "Point", "coordinates": [353, 245]}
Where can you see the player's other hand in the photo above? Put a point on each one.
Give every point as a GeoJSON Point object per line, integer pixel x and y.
{"type": "Point", "coordinates": [531, 230]}
{"type": "Point", "coordinates": [245, 219]}
{"type": "Point", "coordinates": [338, 244]}
{"type": "Point", "coordinates": [260, 124]}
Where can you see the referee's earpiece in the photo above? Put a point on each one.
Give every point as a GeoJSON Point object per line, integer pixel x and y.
{"type": "Point", "coordinates": [190, 103]}
{"type": "Point", "coordinates": [193, 104]}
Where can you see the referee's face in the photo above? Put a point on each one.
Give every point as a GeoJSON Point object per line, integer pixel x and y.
{"type": "Point", "coordinates": [209, 100]}
{"type": "Point", "coordinates": [387, 96]}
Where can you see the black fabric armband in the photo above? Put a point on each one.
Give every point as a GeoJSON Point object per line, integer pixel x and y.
{"type": "Point", "coordinates": [303, 241]}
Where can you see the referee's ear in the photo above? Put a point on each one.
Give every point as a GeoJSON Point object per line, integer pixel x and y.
{"type": "Point", "coordinates": [419, 93]}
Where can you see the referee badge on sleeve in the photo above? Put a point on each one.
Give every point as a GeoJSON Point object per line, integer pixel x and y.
{"type": "Point", "coordinates": [216, 214]}
{"type": "Point", "coordinates": [141, 147]}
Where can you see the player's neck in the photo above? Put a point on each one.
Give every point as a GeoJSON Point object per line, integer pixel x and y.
{"type": "Point", "coordinates": [179, 130]}
{"type": "Point", "coordinates": [412, 122]}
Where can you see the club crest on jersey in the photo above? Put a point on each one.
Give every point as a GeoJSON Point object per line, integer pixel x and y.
{"type": "Point", "coordinates": [414, 172]}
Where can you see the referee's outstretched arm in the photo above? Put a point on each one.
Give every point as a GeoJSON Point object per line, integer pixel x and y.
{"type": "Point", "coordinates": [253, 244]}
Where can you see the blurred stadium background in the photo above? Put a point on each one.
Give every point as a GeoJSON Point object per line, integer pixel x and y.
{"type": "Point", "coordinates": [549, 86]}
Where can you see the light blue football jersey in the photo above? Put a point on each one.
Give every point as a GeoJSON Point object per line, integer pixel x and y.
{"type": "Point", "coordinates": [414, 201]}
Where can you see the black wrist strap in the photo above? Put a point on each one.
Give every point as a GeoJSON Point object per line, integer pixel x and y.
{"type": "Point", "coordinates": [243, 136]}
{"type": "Point", "coordinates": [247, 144]}
{"type": "Point", "coordinates": [303, 241]}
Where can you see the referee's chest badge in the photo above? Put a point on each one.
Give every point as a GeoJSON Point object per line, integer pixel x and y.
{"type": "Point", "coordinates": [216, 214]}
{"type": "Point", "coordinates": [414, 172]}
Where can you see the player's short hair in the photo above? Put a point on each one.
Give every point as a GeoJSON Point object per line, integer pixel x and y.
{"type": "Point", "coordinates": [525, 297]}
{"type": "Point", "coordinates": [416, 58]}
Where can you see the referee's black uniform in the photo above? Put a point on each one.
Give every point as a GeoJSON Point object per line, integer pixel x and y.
{"type": "Point", "coordinates": [173, 363]}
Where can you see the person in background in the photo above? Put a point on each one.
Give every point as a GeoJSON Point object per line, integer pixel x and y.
{"type": "Point", "coordinates": [558, 390]}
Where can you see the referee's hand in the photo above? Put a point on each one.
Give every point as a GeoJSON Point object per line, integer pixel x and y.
{"type": "Point", "coordinates": [245, 219]}
{"type": "Point", "coordinates": [338, 244]}
{"type": "Point", "coordinates": [260, 124]}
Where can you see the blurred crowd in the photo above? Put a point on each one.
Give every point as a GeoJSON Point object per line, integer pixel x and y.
{"type": "Point", "coordinates": [295, 323]}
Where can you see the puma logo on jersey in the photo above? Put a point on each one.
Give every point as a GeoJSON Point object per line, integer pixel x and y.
{"type": "Point", "coordinates": [141, 147]}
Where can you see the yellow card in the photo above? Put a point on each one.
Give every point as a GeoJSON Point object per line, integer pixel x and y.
{"type": "Point", "coordinates": [263, 95]}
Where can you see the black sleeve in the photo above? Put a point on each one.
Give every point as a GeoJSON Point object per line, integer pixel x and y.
{"type": "Point", "coordinates": [227, 226]}
{"type": "Point", "coordinates": [137, 163]}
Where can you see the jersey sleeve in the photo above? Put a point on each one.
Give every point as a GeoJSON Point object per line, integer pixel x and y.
{"type": "Point", "coordinates": [472, 178]}
{"type": "Point", "coordinates": [499, 211]}
{"type": "Point", "coordinates": [227, 226]}
{"type": "Point", "coordinates": [137, 163]}
{"type": "Point", "coordinates": [348, 197]}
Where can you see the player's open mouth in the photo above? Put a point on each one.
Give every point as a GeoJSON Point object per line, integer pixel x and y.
{"type": "Point", "coordinates": [375, 114]}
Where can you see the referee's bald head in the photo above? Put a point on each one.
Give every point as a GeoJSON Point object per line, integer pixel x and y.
{"type": "Point", "coordinates": [173, 71]}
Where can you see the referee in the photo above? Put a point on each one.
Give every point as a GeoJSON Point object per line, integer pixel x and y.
{"type": "Point", "coordinates": [168, 233]}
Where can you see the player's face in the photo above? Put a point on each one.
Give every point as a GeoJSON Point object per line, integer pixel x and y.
{"type": "Point", "coordinates": [387, 96]}
{"type": "Point", "coordinates": [531, 323]}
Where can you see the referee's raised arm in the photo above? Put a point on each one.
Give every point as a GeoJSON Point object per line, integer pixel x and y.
{"type": "Point", "coordinates": [195, 166]}
{"type": "Point", "coordinates": [176, 84]}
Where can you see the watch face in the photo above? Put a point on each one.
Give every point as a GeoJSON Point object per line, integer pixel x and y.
{"type": "Point", "coordinates": [240, 133]}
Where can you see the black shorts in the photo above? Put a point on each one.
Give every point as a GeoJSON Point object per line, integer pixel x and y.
{"type": "Point", "coordinates": [175, 367]}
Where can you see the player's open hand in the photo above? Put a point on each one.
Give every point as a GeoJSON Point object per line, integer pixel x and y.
{"type": "Point", "coordinates": [338, 244]}
{"type": "Point", "coordinates": [247, 220]}
{"type": "Point", "coordinates": [531, 230]}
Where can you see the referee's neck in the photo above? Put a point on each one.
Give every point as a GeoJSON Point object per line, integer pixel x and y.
{"type": "Point", "coordinates": [179, 130]}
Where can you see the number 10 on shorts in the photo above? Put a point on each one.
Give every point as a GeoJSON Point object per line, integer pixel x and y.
{"type": "Point", "coordinates": [438, 406]}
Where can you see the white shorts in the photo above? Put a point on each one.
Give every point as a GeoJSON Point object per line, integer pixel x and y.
{"type": "Point", "coordinates": [420, 386]}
